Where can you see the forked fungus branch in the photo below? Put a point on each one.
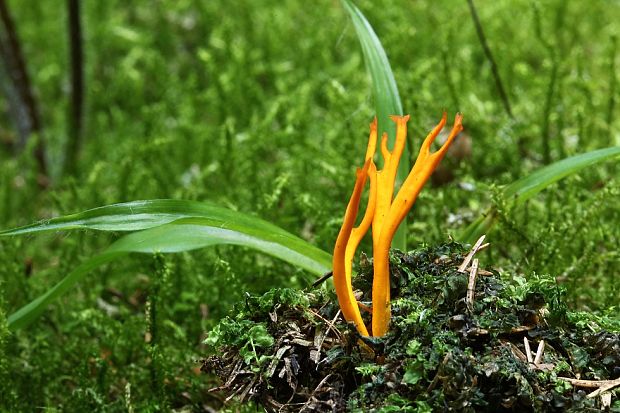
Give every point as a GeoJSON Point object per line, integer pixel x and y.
{"type": "Point", "coordinates": [384, 213]}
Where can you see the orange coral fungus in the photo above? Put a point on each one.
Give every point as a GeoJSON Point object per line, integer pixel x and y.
{"type": "Point", "coordinates": [343, 255]}
{"type": "Point", "coordinates": [386, 213]}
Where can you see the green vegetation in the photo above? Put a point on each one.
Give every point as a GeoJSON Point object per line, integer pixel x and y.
{"type": "Point", "coordinates": [261, 107]}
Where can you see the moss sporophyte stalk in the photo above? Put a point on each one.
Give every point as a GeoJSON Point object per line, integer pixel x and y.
{"type": "Point", "coordinates": [384, 213]}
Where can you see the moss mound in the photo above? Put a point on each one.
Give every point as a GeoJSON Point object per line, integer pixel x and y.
{"type": "Point", "coordinates": [511, 346]}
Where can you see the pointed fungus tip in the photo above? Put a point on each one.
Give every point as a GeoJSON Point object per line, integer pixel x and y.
{"type": "Point", "coordinates": [400, 119]}
{"type": "Point", "coordinates": [444, 116]}
{"type": "Point", "coordinates": [458, 119]}
{"type": "Point", "coordinates": [373, 125]}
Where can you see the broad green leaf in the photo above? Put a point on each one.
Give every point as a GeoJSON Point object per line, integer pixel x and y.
{"type": "Point", "coordinates": [169, 231]}
{"type": "Point", "coordinates": [141, 215]}
{"type": "Point", "coordinates": [385, 91]}
{"type": "Point", "coordinates": [138, 215]}
{"type": "Point", "coordinates": [193, 233]}
{"type": "Point", "coordinates": [525, 188]}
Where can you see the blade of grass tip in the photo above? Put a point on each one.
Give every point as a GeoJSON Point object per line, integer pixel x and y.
{"type": "Point", "coordinates": [387, 98]}
{"type": "Point", "coordinates": [183, 235]}
{"type": "Point", "coordinates": [525, 188]}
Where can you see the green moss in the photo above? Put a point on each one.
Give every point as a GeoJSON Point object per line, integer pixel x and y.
{"type": "Point", "coordinates": [438, 354]}
{"type": "Point", "coordinates": [7, 394]}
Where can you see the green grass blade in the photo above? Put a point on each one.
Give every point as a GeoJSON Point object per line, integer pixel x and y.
{"type": "Point", "coordinates": [168, 226]}
{"type": "Point", "coordinates": [480, 226]}
{"type": "Point", "coordinates": [525, 188]}
{"type": "Point", "coordinates": [193, 233]}
{"type": "Point", "coordinates": [385, 91]}
{"type": "Point", "coordinates": [142, 215]}
{"type": "Point", "coordinates": [184, 235]}
{"type": "Point", "coordinates": [28, 313]}
{"type": "Point", "coordinates": [139, 215]}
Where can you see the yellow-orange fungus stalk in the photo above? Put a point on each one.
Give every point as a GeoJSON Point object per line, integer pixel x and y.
{"type": "Point", "coordinates": [404, 200]}
{"type": "Point", "coordinates": [387, 176]}
{"type": "Point", "coordinates": [342, 275]}
{"type": "Point", "coordinates": [385, 212]}
{"type": "Point", "coordinates": [358, 233]}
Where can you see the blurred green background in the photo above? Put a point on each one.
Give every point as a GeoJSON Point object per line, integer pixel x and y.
{"type": "Point", "coordinates": [263, 106]}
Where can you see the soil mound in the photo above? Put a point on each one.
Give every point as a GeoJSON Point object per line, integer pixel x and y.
{"type": "Point", "coordinates": [461, 339]}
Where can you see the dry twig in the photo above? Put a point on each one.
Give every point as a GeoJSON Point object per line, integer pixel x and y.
{"type": "Point", "coordinates": [539, 352]}
{"type": "Point", "coordinates": [528, 351]}
{"type": "Point", "coordinates": [471, 286]}
{"type": "Point", "coordinates": [602, 388]}
{"type": "Point", "coordinates": [477, 246]}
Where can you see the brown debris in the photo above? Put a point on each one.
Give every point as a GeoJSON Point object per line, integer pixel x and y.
{"type": "Point", "coordinates": [471, 286]}
{"type": "Point", "coordinates": [298, 376]}
{"type": "Point", "coordinates": [477, 247]}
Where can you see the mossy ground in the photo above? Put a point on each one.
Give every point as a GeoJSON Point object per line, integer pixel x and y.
{"type": "Point", "coordinates": [262, 106]}
{"type": "Point", "coordinates": [290, 350]}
